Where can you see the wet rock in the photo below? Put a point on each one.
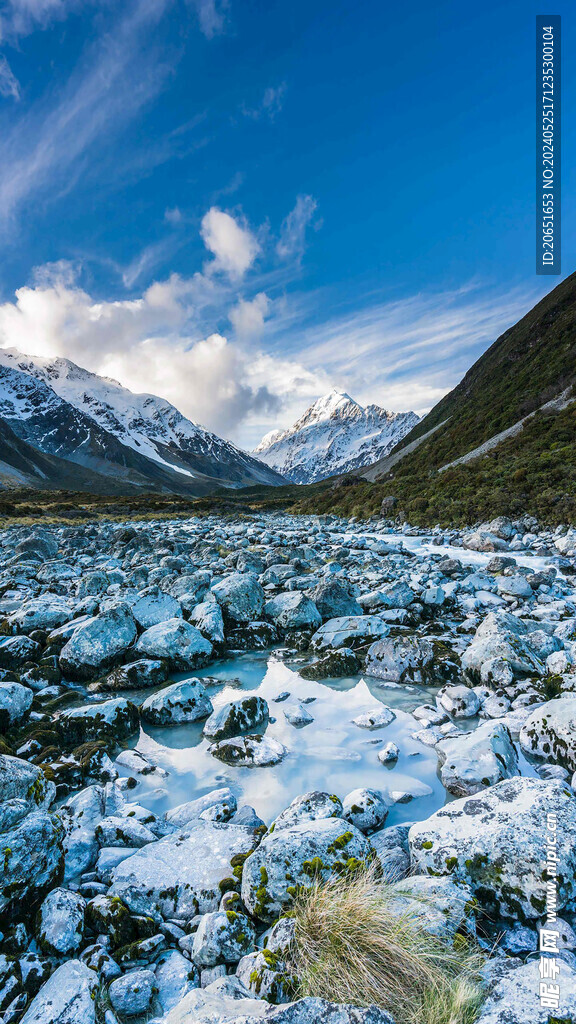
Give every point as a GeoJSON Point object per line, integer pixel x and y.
{"type": "Point", "coordinates": [334, 665]}
{"type": "Point", "coordinates": [68, 997]}
{"type": "Point", "coordinates": [297, 714]}
{"type": "Point", "coordinates": [378, 718]}
{"type": "Point", "coordinates": [367, 809]}
{"type": "Point", "coordinates": [181, 702]}
{"type": "Point", "coordinates": [180, 876]}
{"type": "Point", "coordinates": [61, 923]}
{"type": "Point", "coordinates": [249, 751]}
{"type": "Point", "coordinates": [98, 644]}
{"type": "Point", "coordinates": [348, 631]}
{"type": "Point", "coordinates": [400, 659]}
{"type": "Point", "coordinates": [236, 717]}
{"type": "Point", "coordinates": [474, 760]}
{"type": "Point", "coordinates": [15, 651]}
{"type": "Point", "coordinates": [294, 856]}
{"type": "Point", "coordinates": [134, 676]}
{"type": "Point", "coordinates": [179, 643]}
{"type": "Point", "coordinates": [116, 718]}
{"type": "Point", "coordinates": [550, 732]}
{"type": "Point", "coordinates": [496, 841]}
{"type": "Point", "coordinates": [389, 753]}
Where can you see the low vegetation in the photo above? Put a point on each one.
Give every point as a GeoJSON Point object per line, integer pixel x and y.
{"type": "Point", "coordinates": [352, 946]}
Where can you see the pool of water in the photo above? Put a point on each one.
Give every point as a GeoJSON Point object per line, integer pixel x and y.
{"type": "Point", "coordinates": [330, 753]}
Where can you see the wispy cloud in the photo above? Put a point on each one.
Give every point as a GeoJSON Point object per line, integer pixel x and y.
{"type": "Point", "coordinates": [212, 16]}
{"type": "Point", "coordinates": [270, 104]}
{"type": "Point", "coordinates": [21, 17]}
{"type": "Point", "coordinates": [293, 232]}
{"type": "Point", "coordinates": [46, 150]}
{"type": "Point", "coordinates": [9, 85]}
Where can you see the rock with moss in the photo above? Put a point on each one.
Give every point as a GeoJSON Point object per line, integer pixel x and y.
{"type": "Point", "coordinates": [501, 642]}
{"type": "Point", "coordinates": [222, 937]}
{"type": "Point", "coordinates": [474, 760]}
{"type": "Point", "coordinates": [550, 732]}
{"type": "Point", "coordinates": [15, 651]}
{"type": "Point", "coordinates": [98, 644]}
{"type": "Point", "coordinates": [123, 831]}
{"type": "Point", "coordinates": [459, 701]}
{"type": "Point", "coordinates": [113, 719]}
{"type": "Point", "coordinates": [108, 915]}
{"type": "Point", "coordinates": [61, 922]}
{"type": "Point", "coordinates": [265, 976]}
{"type": "Point", "coordinates": [379, 717]}
{"type": "Point", "coordinates": [135, 676]}
{"type": "Point", "coordinates": [249, 751]}
{"type": "Point", "coordinates": [180, 702]}
{"type": "Point", "coordinates": [181, 875]}
{"type": "Point", "coordinates": [240, 596]}
{"type": "Point", "coordinates": [291, 857]}
{"type": "Point", "coordinates": [132, 994]}
{"type": "Point", "coordinates": [514, 998]}
{"type": "Point", "coordinates": [68, 997]}
{"type": "Point", "coordinates": [32, 860]}
{"type": "Point", "coordinates": [23, 788]}
{"type": "Point", "coordinates": [236, 717]}
{"type": "Point", "coordinates": [335, 665]}
{"type": "Point", "coordinates": [401, 659]}
{"type": "Point", "coordinates": [309, 807]}
{"type": "Point", "coordinates": [335, 598]}
{"type": "Point", "coordinates": [367, 809]}
{"type": "Point", "coordinates": [496, 841]}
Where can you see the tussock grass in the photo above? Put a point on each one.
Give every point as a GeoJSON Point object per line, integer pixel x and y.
{"type": "Point", "coordinates": [352, 946]}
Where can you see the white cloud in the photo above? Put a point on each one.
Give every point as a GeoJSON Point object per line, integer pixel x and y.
{"type": "Point", "coordinates": [234, 246]}
{"type": "Point", "coordinates": [211, 16]}
{"type": "Point", "coordinates": [20, 17]}
{"type": "Point", "coordinates": [9, 85]}
{"type": "Point", "coordinates": [293, 232]}
{"type": "Point", "coordinates": [247, 316]}
{"type": "Point", "coordinates": [270, 105]}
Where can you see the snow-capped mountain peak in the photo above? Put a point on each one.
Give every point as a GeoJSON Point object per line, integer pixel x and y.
{"type": "Point", "coordinates": [334, 435]}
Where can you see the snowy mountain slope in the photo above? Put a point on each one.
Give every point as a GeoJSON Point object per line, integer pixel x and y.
{"type": "Point", "coordinates": [64, 410]}
{"type": "Point", "coordinates": [335, 435]}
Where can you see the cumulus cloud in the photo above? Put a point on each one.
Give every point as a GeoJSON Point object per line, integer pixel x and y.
{"type": "Point", "coordinates": [211, 16]}
{"type": "Point", "coordinates": [9, 85]}
{"type": "Point", "coordinates": [247, 316]}
{"type": "Point", "coordinates": [293, 232]}
{"type": "Point", "coordinates": [234, 246]}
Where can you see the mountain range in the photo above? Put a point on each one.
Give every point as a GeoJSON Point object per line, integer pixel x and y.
{"type": "Point", "coordinates": [503, 441]}
{"type": "Point", "coordinates": [335, 435]}
{"type": "Point", "coordinates": [63, 426]}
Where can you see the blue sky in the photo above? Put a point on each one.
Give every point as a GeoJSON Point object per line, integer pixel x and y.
{"type": "Point", "coordinates": [239, 205]}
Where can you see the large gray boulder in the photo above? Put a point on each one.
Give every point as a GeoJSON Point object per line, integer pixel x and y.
{"type": "Point", "coordinates": [132, 994]}
{"type": "Point", "coordinates": [515, 998]}
{"type": "Point", "coordinates": [289, 857]}
{"type": "Point", "coordinates": [80, 816]}
{"type": "Point", "coordinates": [401, 659]}
{"type": "Point", "coordinates": [496, 843]}
{"type": "Point", "coordinates": [179, 643]}
{"type": "Point", "coordinates": [98, 644]}
{"type": "Point", "coordinates": [180, 876]}
{"type": "Point", "coordinates": [501, 645]}
{"type": "Point", "coordinates": [116, 719]}
{"type": "Point", "coordinates": [550, 732]}
{"type": "Point", "coordinates": [15, 703]}
{"type": "Point", "coordinates": [23, 788]}
{"type": "Point", "coordinates": [181, 702]}
{"type": "Point", "coordinates": [32, 862]}
{"type": "Point", "coordinates": [223, 937]}
{"type": "Point", "coordinates": [228, 1002]}
{"type": "Point", "coordinates": [15, 651]}
{"type": "Point", "coordinates": [68, 997]}
{"type": "Point", "coordinates": [334, 598]}
{"type": "Point", "coordinates": [61, 922]}
{"type": "Point", "coordinates": [249, 751]}
{"type": "Point", "coordinates": [154, 606]}
{"type": "Point", "coordinates": [473, 760]}
{"type": "Point", "coordinates": [293, 610]}
{"type": "Point", "coordinates": [46, 612]}
{"type": "Point", "coordinates": [309, 807]}
{"type": "Point", "coordinates": [207, 617]}
{"type": "Point", "coordinates": [240, 596]}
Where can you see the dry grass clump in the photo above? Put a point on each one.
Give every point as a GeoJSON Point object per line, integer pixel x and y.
{"type": "Point", "coordinates": [352, 946]}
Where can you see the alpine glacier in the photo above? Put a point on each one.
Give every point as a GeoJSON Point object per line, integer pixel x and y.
{"type": "Point", "coordinates": [335, 435]}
